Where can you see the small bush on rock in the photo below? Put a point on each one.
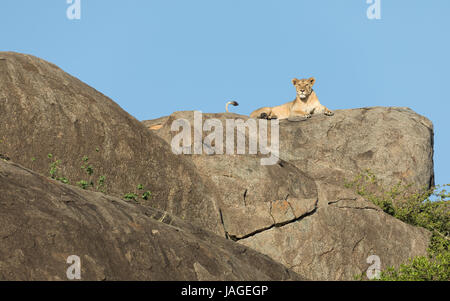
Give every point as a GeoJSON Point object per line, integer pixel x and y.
{"type": "Point", "coordinates": [427, 208]}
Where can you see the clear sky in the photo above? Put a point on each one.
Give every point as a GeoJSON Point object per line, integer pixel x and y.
{"type": "Point", "coordinates": [154, 57]}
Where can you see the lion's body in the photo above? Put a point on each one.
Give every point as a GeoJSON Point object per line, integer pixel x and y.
{"type": "Point", "coordinates": [305, 104]}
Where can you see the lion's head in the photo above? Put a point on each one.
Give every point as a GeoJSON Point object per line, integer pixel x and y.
{"type": "Point", "coordinates": [304, 86]}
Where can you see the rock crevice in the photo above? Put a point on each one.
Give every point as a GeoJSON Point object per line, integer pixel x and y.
{"type": "Point", "coordinates": [317, 157]}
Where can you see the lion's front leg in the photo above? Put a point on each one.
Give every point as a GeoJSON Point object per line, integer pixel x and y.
{"type": "Point", "coordinates": [299, 115]}
{"type": "Point", "coordinates": [328, 112]}
{"type": "Point", "coordinates": [324, 110]}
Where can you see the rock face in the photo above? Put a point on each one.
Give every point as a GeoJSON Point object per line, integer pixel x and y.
{"type": "Point", "coordinates": [307, 220]}
{"type": "Point", "coordinates": [43, 222]}
{"type": "Point", "coordinates": [46, 111]}
{"type": "Point", "coordinates": [295, 211]}
{"type": "Point", "coordinates": [396, 144]}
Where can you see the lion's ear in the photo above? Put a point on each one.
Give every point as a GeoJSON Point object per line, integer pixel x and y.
{"type": "Point", "coordinates": [312, 80]}
{"type": "Point", "coordinates": [295, 81]}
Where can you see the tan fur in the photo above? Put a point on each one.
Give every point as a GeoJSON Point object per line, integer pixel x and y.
{"type": "Point", "coordinates": [303, 106]}
{"type": "Point", "coordinates": [155, 127]}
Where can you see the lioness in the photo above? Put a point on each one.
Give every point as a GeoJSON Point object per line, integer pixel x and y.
{"type": "Point", "coordinates": [302, 107]}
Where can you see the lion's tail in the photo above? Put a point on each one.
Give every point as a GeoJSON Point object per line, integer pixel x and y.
{"type": "Point", "coordinates": [234, 103]}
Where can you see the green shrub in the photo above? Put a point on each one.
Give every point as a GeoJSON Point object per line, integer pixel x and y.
{"type": "Point", "coordinates": [89, 169]}
{"type": "Point", "coordinates": [101, 184]}
{"type": "Point", "coordinates": [422, 268]}
{"type": "Point", "coordinates": [54, 169]}
{"type": "Point", "coordinates": [83, 184]}
{"type": "Point", "coordinates": [131, 196]}
{"type": "Point", "coordinates": [427, 208]}
{"type": "Point", "coordinates": [146, 195]}
{"type": "Point", "coordinates": [134, 196]}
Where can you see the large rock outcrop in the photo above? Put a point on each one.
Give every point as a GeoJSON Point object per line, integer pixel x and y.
{"type": "Point", "coordinates": [298, 211]}
{"type": "Point", "coordinates": [396, 144]}
{"type": "Point", "coordinates": [46, 111]}
{"type": "Point", "coordinates": [43, 222]}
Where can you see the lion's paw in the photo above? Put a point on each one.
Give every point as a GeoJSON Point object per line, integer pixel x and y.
{"type": "Point", "coordinates": [329, 113]}
{"type": "Point", "coordinates": [263, 116]}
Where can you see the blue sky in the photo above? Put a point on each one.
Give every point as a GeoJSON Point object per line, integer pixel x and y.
{"type": "Point", "coordinates": [154, 57]}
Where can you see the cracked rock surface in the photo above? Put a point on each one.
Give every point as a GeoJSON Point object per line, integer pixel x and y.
{"type": "Point", "coordinates": [298, 211]}
{"type": "Point", "coordinates": [43, 222]}
{"type": "Point", "coordinates": [295, 211]}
